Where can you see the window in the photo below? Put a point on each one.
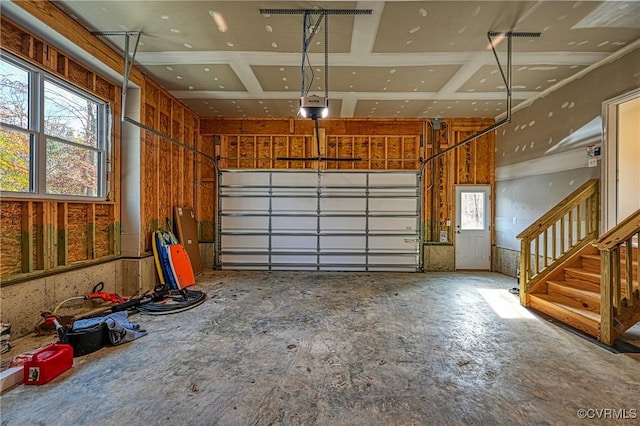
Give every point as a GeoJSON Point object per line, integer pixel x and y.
{"type": "Point", "coordinates": [52, 135]}
{"type": "Point", "coordinates": [472, 211]}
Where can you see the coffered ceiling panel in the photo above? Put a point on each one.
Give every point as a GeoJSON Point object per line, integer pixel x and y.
{"type": "Point", "coordinates": [359, 79]}
{"type": "Point", "coordinates": [404, 59]}
{"type": "Point", "coordinates": [209, 77]}
{"type": "Point", "coordinates": [524, 78]}
{"type": "Point", "coordinates": [430, 109]}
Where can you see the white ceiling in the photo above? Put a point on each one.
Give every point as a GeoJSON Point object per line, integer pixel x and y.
{"type": "Point", "coordinates": [406, 59]}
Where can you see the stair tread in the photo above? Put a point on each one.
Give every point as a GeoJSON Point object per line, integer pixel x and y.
{"type": "Point", "coordinates": [591, 256]}
{"type": "Point", "coordinates": [582, 312]}
{"type": "Point", "coordinates": [584, 272]}
{"type": "Point", "coordinates": [575, 287]}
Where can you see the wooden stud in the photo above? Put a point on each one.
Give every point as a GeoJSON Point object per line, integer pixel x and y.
{"type": "Point", "coordinates": [52, 260]}
{"type": "Point", "coordinates": [27, 234]}
{"type": "Point", "coordinates": [63, 234]}
{"type": "Point", "coordinates": [43, 240]}
{"type": "Point", "coordinates": [91, 231]}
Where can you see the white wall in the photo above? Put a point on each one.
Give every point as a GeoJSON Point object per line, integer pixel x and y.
{"type": "Point", "coordinates": [535, 167]}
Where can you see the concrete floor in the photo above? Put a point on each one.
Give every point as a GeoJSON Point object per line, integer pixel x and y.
{"type": "Point", "coordinates": [340, 349]}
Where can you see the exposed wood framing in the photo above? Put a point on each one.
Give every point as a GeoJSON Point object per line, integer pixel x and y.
{"type": "Point", "coordinates": [373, 145]}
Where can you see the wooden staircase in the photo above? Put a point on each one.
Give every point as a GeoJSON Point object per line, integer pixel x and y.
{"type": "Point", "coordinates": [572, 294]}
{"type": "Point", "coordinates": [570, 273]}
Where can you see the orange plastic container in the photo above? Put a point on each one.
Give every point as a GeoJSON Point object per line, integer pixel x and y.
{"type": "Point", "coordinates": [48, 363]}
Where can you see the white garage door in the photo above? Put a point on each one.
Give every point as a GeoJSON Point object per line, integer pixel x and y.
{"type": "Point", "coordinates": [318, 220]}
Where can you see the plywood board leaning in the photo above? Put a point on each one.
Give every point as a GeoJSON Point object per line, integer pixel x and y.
{"type": "Point", "coordinates": [187, 230]}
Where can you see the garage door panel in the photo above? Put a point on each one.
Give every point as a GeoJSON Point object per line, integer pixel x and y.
{"type": "Point", "coordinates": [343, 205]}
{"type": "Point", "coordinates": [307, 204]}
{"type": "Point", "coordinates": [391, 243]}
{"type": "Point", "coordinates": [238, 204]}
{"type": "Point", "coordinates": [392, 224]}
{"type": "Point", "coordinates": [392, 179]}
{"type": "Point", "coordinates": [245, 259]}
{"type": "Point", "coordinates": [244, 177]}
{"type": "Point", "coordinates": [406, 260]}
{"type": "Point", "coordinates": [352, 260]}
{"type": "Point", "coordinates": [288, 223]}
{"type": "Point", "coordinates": [394, 205]}
{"type": "Point", "coordinates": [346, 179]}
{"type": "Point", "coordinates": [245, 242]}
{"type": "Point", "coordinates": [343, 223]}
{"type": "Point", "coordinates": [298, 179]}
{"type": "Point", "coordinates": [294, 259]}
{"type": "Point", "coordinates": [319, 220]}
{"type": "Point", "coordinates": [337, 243]}
{"type": "Point", "coordinates": [293, 242]}
{"type": "Point", "coordinates": [244, 223]}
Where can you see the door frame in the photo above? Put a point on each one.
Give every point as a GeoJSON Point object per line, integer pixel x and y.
{"type": "Point", "coordinates": [488, 219]}
{"type": "Point", "coordinates": [609, 169]}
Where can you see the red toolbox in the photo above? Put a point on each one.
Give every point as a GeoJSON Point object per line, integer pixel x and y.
{"type": "Point", "coordinates": [48, 363]}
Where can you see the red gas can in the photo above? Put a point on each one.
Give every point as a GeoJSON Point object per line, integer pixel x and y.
{"type": "Point", "coordinates": [48, 363]}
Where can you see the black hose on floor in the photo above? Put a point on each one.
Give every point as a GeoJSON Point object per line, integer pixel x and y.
{"type": "Point", "coordinates": [174, 302]}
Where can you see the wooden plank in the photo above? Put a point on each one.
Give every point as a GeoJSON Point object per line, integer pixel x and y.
{"type": "Point", "coordinates": [582, 320]}
{"type": "Point", "coordinates": [629, 272]}
{"type": "Point", "coordinates": [621, 232]}
{"type": "Point", "coordinates": [78, 232]}
{"type": "Point", "coordinates": [607, 335]}
{"type": "Point", "coordinates": [571, 224]}
{"type": "Point", "coordinates": [615, 278]}
{"type": "Point", "coordinates": [562, 235]}
{"type": "Point", "coordinates": [554, 233]}
{"type": "Point", "coordinates": [525, 273]}
{"type": "Point", "coordinates": [187, 233]}
{"type": "Point", "coordinates": [536, 254]}
{"type": "Point", "coordinates": [545, 253]}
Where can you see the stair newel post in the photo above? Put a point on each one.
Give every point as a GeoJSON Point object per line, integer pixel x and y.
{"type": "Point", "coordinates": [525, 260]}
{"type": "Point", "coordinates": [606, 298]}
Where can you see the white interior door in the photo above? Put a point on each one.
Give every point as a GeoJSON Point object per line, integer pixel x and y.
{"type": "Point", "coordinates": [473, 227]}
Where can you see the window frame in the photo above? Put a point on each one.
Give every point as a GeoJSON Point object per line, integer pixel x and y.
{"type": "Point", "coordinates": [38, 137]}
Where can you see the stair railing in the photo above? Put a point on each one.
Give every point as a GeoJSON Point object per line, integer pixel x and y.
{"type": "Point", "coordinates": [557, 235]}
{"type": "Point", "coordinates": [619, 298]}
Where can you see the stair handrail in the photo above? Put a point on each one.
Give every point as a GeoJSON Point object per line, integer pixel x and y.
{"type": "Point", "coordinates": [559, 210]}
{"type": "Point", "coordinates": [587, 193]}
{"type": "Point", "coordinates": [620, 233]}
{"type": "Point", "coordinates": [613, 318]}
